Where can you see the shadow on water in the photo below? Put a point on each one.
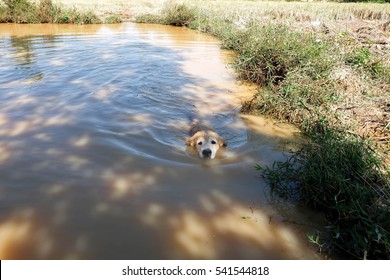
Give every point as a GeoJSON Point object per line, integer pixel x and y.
{"type": "Point", "coordinates": [93, 163]}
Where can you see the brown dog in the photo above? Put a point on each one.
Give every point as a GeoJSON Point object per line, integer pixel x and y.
{"type": "Point", "coordinates": [205, 140]}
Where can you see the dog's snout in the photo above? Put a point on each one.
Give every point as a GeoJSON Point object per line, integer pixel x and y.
{"type": "Point", "coordinates": [206, 153]}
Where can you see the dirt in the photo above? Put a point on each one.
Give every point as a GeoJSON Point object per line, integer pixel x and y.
{"type": "Point", "coordinates": [367, 102]}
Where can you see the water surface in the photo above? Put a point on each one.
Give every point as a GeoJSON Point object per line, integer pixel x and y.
{"type": "Point", "coordinates": [93, 163]}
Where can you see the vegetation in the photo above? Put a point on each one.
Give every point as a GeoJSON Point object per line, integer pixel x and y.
{"type": "Point", "coordinates": [338, 170]}
{"type": "Point", "coordinates": [112, 19]}
{"type": "Point", "coordinates": [339, 174]}
{"type": "Point", "coordinates": [24, 11]}
{"type": "Point", "coordinates": [364, 60]}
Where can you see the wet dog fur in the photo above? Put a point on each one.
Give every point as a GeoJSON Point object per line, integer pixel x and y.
{"type": "Point", "coordinates": [205, 140]}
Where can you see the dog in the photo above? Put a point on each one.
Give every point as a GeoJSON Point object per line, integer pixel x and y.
{"type": "Point", "coordinates": [205, 140]}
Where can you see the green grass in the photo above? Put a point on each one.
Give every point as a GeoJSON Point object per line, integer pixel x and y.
{"type": "Point", "coordinates": [19, 11]}
{"type": "Point", "coordinates": [174, 14]}
{"type": "Point", "coordinates": [294, 70]}
{"type": "Point", "coordinates": [112, 19]}
{"type": "Point", "coordinates": [24, 11]}
{"type": "Point", "coordinates": [337, 172]}
{"type": "Point", "coordinates": [364, 60]}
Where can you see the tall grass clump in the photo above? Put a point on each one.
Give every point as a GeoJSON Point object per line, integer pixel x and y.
{"type": "Point", "coordinates": [3, 14]}
{"type": "Point", "coordinates": [172, 14]}
{"type": "Point", "coordinates": [19, 11]}
{"type": "Point", "coordinates": [271, 52]}
{"type": "Point", "coordinates": [74, 17]}
{"type": "Point", "coordinates": [340, 175]}
{"type": "Point", "coordinates": [364, 60]}
{"type": "Point", "coordinates": [294, 70]}
{"type": "Point", "coordinates": [44, 11]}
{"type": "Point", "coordinates": [178, 14]}
{"type": "Point", "coordinates": [113, 19]}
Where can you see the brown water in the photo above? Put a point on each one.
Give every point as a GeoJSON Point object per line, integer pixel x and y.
{"type": "Point", "coordinates": [93, 163]}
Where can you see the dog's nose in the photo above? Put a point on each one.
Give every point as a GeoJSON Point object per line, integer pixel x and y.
{"type": "Point", "coordinates": [206, 153]}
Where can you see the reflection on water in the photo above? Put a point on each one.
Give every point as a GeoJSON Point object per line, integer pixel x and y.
{"type": "Point", "coordinates": [93, 162]}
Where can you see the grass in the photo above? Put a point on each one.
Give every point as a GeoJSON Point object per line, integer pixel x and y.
{"type": "Point", "coordinates": [44, 11]}
{"type": "Point", "coordinates": [339, 171]}
{"type": "Point", "coordinates": [339, 174]}
{"type": "Point", "coordinates": [364, 60]}
{"type": "Point", "coordinates": [112, 19]}
{"type": "Point", "coordinates": [294, 69]}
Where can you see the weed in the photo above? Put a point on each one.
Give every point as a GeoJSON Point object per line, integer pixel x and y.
{"type": "Point", "coordinates": [172, 14]}
{"type": "Point", "coordinates": [178, 14]}
{"type": "Point", "coordinates": [24, 11]}
{"type": "Point", "coordinates": [63, 18]}
{"type": "Point", "coordinates": [364, 59]}
{"type": "Point", "coordinates": [20, 11]}
{"type": "Point", "coordinates": [315, 239]}
{"type": "Point", "coordinates": [295, 69]}
{"type": "Point", "coordinates": [87, 18]}
{"type": "Point", "coordinates": [148, 18]}
{"type": "Point", "coordinates": [340, 175]}
{"type": "Point", "coordinates": [46, 11]}
{"type": "Point", "coordinates": [70, 16]}
{"type": "Point", "coordinates": [271, 52]}
{"type": "Point", "coordinates": [4, 16]}
{"type": "Point", "coordinates": [112, 19]}
{"type": "Point", "coordinates": [359, 57]}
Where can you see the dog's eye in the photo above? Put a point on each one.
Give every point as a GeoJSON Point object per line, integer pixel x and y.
{"type": "Point", "coordinates": [200, 143]}
{"type": "Point", "coordinates": [213, 142]}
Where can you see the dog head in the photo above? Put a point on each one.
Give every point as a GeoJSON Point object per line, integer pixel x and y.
{"type": "Point", "coordinates": [207, 142]}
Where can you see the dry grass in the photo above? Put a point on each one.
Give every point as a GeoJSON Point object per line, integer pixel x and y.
{"type": "Point", "coordinates": [300, 11]}
{"type": "Point", "coordinates": [127, 10]}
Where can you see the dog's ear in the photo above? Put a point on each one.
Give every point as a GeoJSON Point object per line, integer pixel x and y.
{"type": "Point", "coordinates": [189, 141]}
{"type": "Point", "coordinates": [222, 142]}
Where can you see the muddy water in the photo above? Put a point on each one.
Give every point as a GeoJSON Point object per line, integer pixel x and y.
{"type": "Point", "coordinates": [93, 163]}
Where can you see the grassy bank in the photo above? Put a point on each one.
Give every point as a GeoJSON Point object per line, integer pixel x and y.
{"type": "Point", "coordinates": [338, 174]}
{"type": "Point", "coordinates": [45, 11]}
{"type": "Point", "coordinates": [309, 72]}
